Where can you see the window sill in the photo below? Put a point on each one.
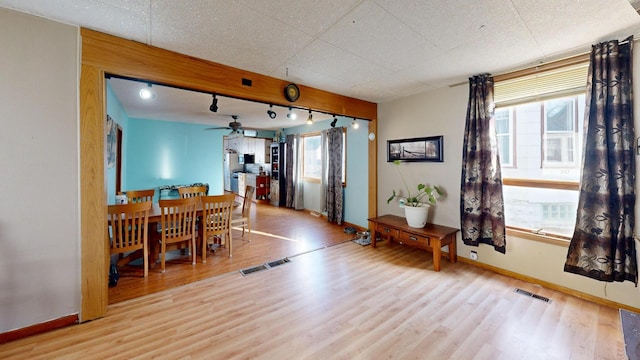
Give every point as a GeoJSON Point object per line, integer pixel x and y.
{"type": "Point", "coordinates": [537, 237]}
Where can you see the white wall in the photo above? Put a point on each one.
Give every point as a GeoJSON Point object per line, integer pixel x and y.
{"type": "Point", "coordinates": [39, 200]}
{"type": "Point", "coordinates": [443, 112]}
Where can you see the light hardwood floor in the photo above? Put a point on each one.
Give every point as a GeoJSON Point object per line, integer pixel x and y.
{"type": "Point", "coordinates": [278, 232]}
{"type": "Point", "coordinates": [342, 301]}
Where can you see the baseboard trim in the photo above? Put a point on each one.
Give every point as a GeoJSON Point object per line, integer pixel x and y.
{"type": "Point", "coordinates": [38, 328]}
{"type": "Point", "coordinates": [548, 285]}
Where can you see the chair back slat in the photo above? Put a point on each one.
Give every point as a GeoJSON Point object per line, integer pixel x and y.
{"type": "Point", "coordinates": [178, 224]}
{"type": "Point", "coordinates": [246, 203]}
{"type": "Point", "coordinates": [216, 220]}
{"type": "Point", "coordinates": [192, 191]}
{"type": "Point", "coordinates": [137, 196]}
{"type": "Point", "coordinates": [128, 227]}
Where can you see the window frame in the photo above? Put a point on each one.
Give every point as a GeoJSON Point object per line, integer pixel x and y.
{"type": "Point", "coordinates": [541, 234]}
{"type": "Point", "coordinates": [511, 139]}
{"type": "Point", "coordinates": [574, 136]}
{"type": "Point", "coordinates": [344, 156]}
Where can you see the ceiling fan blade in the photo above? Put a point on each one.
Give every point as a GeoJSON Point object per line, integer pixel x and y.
{"type": "Point", "coordinates": [218, 128]}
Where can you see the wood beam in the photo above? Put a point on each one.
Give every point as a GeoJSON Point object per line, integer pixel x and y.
{"type": "Point", "coordinates": [106, 54]}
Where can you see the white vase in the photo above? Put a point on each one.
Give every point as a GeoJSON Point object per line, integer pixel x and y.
{"type": "Point", "coordinates": [417, 215]}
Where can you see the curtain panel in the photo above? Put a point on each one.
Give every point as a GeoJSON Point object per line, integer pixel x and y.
{"type": "Point", "coordinates": [334, 201]}
{"type": "Point", "coordinates": [481, 199]}
{"type": "Point", "coordinates": [290, 165]}
{"type": "Point", "coordinates": [602, 246]}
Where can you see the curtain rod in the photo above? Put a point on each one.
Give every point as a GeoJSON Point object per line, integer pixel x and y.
{"type": "Point", "coordinates": [568, 61]}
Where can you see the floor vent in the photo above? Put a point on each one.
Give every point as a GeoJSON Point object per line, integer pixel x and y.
{"type": "Point", "coordinates": [277, 262]}
{"type": "Point", "coordinates": [252, 270]}
{"type": "Point", "coordinates": [265, 266]}
{"type": "Point", "coordinates": [535, 296]}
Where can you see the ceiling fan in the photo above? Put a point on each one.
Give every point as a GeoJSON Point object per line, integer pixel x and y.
{"type": "Point", "coordinates": [235, 126]}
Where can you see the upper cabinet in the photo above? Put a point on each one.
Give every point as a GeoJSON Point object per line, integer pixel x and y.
{"type": "Point", "coordinates": [248, 145]}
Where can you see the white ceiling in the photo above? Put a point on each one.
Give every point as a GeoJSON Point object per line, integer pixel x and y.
{"type": "Point", "coordinates": [375, 50]}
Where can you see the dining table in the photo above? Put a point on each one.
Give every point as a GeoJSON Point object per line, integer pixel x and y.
{"type": "Point", "coordinates": [155, 218]}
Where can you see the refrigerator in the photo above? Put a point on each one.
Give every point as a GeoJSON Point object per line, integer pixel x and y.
{"type": "Point", "coordinates": [231, 165]}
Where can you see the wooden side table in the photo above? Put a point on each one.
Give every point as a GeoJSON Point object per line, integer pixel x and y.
{"type": "Point", "coordinates": [430, 238]}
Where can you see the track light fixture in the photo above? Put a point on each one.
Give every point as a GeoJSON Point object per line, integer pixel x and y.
{"type": "Point", "coordinates": [291, 115]}
{"type": "Point", "coordinates": [355, 124]}
{"type": "Point", "coordinates": [272, 114]}
{"type": "Point", "coordinates": [335, 120]}
{"type": "Point", "coordinates": [214, 104]}
{"type": "Point", "coordinates": [310, 119]}
{"type": "Point", "coordinates": [146, 93]}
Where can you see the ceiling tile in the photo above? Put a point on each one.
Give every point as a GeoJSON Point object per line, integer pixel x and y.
{"type": "Point", "coordinates": [374, 34]}
{"type": "Point", "coordinates": [229, 26]}
{"type": "Point", "coordinates": [452, 23]}
{"type": "Point", "coordinates": [576, 24]}
{"type": "Point", "coordinates": [310, 16]}
{"type": "Point", "coordinates": [127, 22]}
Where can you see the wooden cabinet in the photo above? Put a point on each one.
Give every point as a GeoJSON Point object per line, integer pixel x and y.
{"type": "Point", "coordinates": [262, 187]}
{"type": "Point", "coordinates": [431, 238]}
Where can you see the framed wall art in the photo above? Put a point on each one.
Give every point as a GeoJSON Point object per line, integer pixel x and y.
{"type": "Point", "coordinates": [415, 149]}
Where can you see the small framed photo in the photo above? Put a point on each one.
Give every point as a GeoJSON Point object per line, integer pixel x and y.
{"type": "Point", "coordinates": [415, 149]}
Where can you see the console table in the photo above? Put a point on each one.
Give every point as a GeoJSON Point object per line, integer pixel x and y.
{"type": "Point", "coordinates": [431, 238]}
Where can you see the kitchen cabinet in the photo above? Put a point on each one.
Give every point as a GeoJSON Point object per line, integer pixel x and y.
{"type": "Point", "coordinates": [248, 145]}
{"type": "Point", "coordinates": [242, 183]}
{"type": "Point", "coordinates": [251, 181]}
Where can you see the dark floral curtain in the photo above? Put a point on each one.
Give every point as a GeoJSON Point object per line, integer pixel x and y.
{"type": "Point", "coordinates": [602, 246]}
{"type": "Point", "coordinates": [290, 165]}
{"type": "Point", "coordinates": [481, 201]}
{"type": "Point", "coordinates": [334, 176]}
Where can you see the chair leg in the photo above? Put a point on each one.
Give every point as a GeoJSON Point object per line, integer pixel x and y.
{"type": "Point", "coordinates": [164, 254]}
{"type": "Point", "coordinates": [145, 259]}
{"type": "Point", "coordinates": [204, 249]}
{"type": "Point", "coordinates": [229, 241]}
{"type": "Point", "coordinates": [193, 251]}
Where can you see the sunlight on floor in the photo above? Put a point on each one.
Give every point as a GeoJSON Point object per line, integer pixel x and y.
{"type": "Point", "coordinates": [268, 234]}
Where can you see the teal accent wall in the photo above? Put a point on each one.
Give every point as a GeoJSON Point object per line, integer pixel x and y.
{"type": "Point", "coordinates": [163, 153]}
{"type": "Point", "coordinates": [117, 113]}
{"type": "Point", "coordinates": [356, 200]}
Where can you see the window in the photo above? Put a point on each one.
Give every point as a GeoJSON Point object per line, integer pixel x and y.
{"type": "Point", "coordinates": [540, 146]}
{"type": "Point", "coordinates": [312, 157]}
{"type": "Point", "coordinates": [560, 135]}
{"type": "Point", "coordinates": [504, 133]}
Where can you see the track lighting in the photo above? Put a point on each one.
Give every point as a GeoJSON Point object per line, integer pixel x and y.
{"type": "Point", "coordinates": [310, 119]}
{"type": "Point", "coordinates": [272, 114]}
{"type": "Point", "coordinates": [291, 115]}
{"type": "Point", "coordinates": [214, 104]}
{"type": "Point", "coordinates": [335, 120]}
{"type": "Point", "coordinates": [146, 93]}
{"type": "Point", "coordinates": [355, 124]}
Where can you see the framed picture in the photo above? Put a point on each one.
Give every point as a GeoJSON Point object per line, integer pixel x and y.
{"type": "Point", "coordinates": [415, 149]}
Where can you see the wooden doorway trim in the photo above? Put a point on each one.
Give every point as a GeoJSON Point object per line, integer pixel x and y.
{"type": "Point", "coordinates": [104, 54]}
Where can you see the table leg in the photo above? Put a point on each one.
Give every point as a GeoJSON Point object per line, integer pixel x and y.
{"type": "Point", "coordinates": [373, 239]}
{"type": "Point", "coordinates": [437, 253]}
{"type": "Point", "coordinates": [453, 253]}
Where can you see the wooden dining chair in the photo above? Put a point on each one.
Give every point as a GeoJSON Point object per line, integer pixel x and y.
{"type": "Point", "coordinates": [192, 191]}
{"type": "Point", "coordinates": [216, 221]}
{"type": "Point", "coordinates": [178, 225]}
{"type": "Point", "coordinates": [243, 218]}
{"type": "Point", "coordinates": [129, 230]}
{"type": "Point", "coordinates": [136, 196]}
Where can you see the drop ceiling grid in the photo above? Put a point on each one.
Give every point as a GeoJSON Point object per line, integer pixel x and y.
{"type": "Point", "coordinates": [563, 26]}
{"type": "Point", "coordinates": [374, 34]}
